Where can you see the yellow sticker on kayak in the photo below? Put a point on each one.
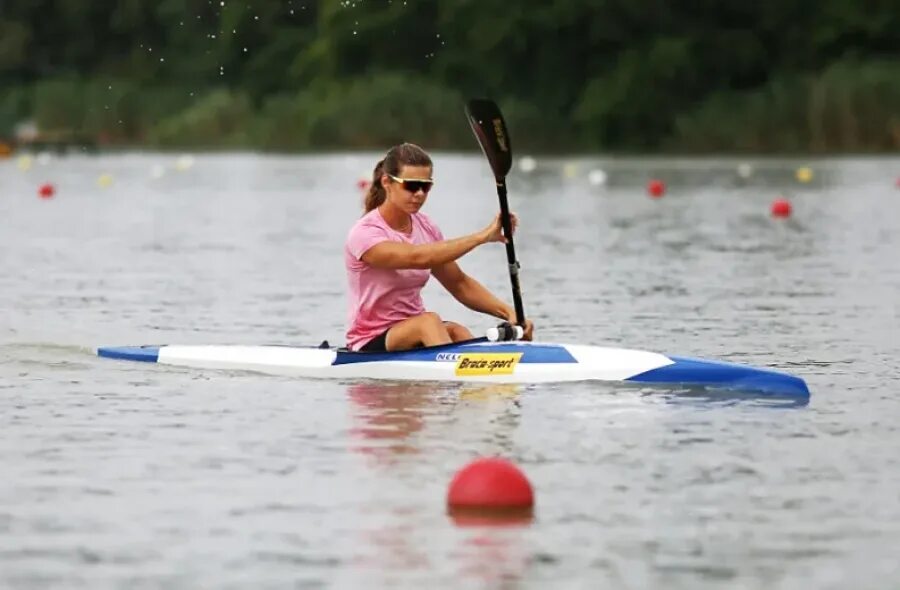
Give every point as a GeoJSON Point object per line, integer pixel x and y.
{"type": "Point", "coordinates": [487, 363]}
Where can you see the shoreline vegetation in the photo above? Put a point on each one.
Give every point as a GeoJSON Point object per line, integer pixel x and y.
{"type": "Point", "coordinates": [326, 76]}
{"type": "Point", "coordinates": [849, 108]}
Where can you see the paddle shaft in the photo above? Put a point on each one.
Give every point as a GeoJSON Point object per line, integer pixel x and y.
{"type": "Point", "coordinates": [513, 264]}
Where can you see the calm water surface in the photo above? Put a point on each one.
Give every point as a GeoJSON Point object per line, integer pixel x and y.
{"type": "Point", "coordinates": [125, 475]}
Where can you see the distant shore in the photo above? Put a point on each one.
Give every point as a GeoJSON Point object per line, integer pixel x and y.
{"type": "Point", "coordinates": [848, 109]}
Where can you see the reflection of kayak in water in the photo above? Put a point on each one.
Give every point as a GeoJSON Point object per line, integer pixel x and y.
{"type": "Point", "coordinates": [476, 360]}
{"type": "Point", "coordinates": [385, 410]}
{"type": "Point", "coordinates": [391, 420]}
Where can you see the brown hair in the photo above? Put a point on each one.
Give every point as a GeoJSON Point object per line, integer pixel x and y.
{"type": "Point", "coordinates": [404, 154]}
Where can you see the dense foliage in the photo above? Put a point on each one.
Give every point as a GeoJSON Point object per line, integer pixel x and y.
{"type": "Point", "coordinates": [699, 75]}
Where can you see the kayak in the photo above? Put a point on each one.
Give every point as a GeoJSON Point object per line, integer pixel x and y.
{"type": "Point", "coordinates": [498, 359]}
{"type": "Point", "coordinates": [478, 360]}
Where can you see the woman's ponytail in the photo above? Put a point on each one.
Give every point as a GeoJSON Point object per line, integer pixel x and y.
{"type": "Point", "coordinates": [375, 195]}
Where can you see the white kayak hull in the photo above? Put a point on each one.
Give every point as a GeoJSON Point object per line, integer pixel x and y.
{"type": "Point", "coordinates": [474, 361]}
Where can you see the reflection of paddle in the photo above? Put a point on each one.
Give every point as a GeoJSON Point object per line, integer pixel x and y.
{"type": "Point", "coordinates": [490, 130]}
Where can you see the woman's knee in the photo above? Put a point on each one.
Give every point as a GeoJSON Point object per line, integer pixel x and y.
{"type": "Point", "coordinates": [458, 331]}
{"type": "Point", "coordinates": [426, 328]}
{"type": "Point", "coordinates": [431, 318]}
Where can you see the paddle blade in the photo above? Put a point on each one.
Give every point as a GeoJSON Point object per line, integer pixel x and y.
{"type": "Point", "coordinates": [490, 130]}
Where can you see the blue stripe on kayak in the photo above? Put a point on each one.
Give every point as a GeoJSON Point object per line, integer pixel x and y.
{"type": "Point", "coordinates": [147, 354]}
{"type": "Point", "coordinates": [720, 375]}
{"type": "Point", "coordinates": [531, 353]}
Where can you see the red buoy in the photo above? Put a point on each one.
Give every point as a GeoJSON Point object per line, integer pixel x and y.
{"type": "Point", "coordinates": [656, 188]}
{"type": "Point", "coordinates": [490, 484]}
{"type": "Point", "coordinates": [781, 208]}
{"type": "Point", "coordinates": [46, 191]}
{"type": "Point", "coordinates": [363, 184]}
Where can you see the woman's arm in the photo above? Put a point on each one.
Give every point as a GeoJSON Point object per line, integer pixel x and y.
{"type": "Point", "coordinates": [475, 296]}
{"type": "Point", "coordinates": [471, 293]}
{"type": "Point", "coordinates": [402, 255]}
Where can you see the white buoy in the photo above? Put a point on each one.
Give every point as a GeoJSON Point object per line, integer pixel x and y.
{"type": "Point", "coordinates": [597, 177]}
{"type": "Point", "coordinates": [43, 158]}
{"type": "Point", "coordinates": [157, 171]}
{"type": "Point", "coordinates": [745, 170]}
{"type": "Point", "coordinates": [527, 164]}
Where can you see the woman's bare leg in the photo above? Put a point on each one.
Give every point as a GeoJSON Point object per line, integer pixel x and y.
{"type": "Point", "coordinates": [458, 332]}
{"type": "Point", "coordinates": [426, 329]}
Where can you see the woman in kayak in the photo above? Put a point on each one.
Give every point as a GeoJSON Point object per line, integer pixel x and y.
{"type": "Point", "coordinates": [390, 253]}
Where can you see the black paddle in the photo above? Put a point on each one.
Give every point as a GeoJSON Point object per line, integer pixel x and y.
{"type": "Point", "coordinates": [490, 131]}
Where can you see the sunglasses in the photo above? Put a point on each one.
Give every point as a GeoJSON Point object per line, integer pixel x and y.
{"type": "Point", "coordinates": [414, 185]}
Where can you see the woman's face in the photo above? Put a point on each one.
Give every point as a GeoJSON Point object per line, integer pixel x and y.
{"type": "Point", "coordinates": [408, 196]}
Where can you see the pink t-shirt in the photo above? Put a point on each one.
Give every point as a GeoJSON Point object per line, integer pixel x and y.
{"type": "Point", "coordinates": [381, 297]}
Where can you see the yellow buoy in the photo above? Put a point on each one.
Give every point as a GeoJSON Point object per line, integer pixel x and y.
{"type": "Point", "coordinates": [804, 174]}
{"type": "Point", "coordinates": [24, 163]}
{"type": "Point", "coordinates": [184, 163]}
{"type": "Point", "coordinates": [105, 180]}
{"type": "Point", "coordinates": [570, 170]}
